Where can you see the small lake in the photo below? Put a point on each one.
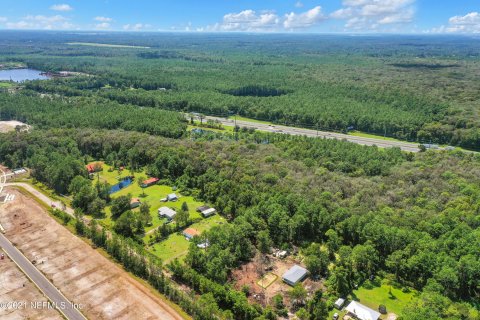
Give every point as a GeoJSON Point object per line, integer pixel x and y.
{"type": "Point", "coordinates": [20, 75]}
{"type": "Point", "coordinates": [122, 184]}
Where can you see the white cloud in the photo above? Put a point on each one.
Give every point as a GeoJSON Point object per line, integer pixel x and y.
{"type": "Point", "coordinates": [56, 22]}
{"type": "Point", "coordinates": [102, 26]}
{"type": "Point", "coordinates": [3, 19]}
{"type": "Point", "coordinates": [298, 4]}
{"type": "Point", "coordinates": [303, 20]}
{"type": "Point", "coordinates": [374, 14]}
{"type": "Point", "coordinates": [61, 7]}
{"type": "Point", "coordinates": [469, 23]}
{"type": "Point", "coordinates": [136, 27]}
{"type": "Point", "coordinates": [266, 21]}
{"type": "Point", "coordinates": [103, 19]}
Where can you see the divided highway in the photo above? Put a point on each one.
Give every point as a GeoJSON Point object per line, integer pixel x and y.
{"type": "Point", "coordinates": [405, 146]}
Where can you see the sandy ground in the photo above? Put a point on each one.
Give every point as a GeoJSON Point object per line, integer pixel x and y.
{"type": "Point", "coordinates": [250, 273]}
{"type": "Point", "coordinates": [6, 126]}
{"type": "Point", "coordinates": [15, 287]}
{"type": "Point", "coordinates": [81, 273]}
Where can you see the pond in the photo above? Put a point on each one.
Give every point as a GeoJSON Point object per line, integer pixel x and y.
{"type": "Point", "coordinates": [122, 184]}
{"type": "Point", "coordinates": [20, 75]}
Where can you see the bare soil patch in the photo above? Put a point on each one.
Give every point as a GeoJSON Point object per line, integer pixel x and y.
{"type": "Point", "coordinates": [80, 272]}
{"type": "Point", "coordinates": [15, 287]}
{"type": "Point", "coordinates": [6, 126]}
{"type": "Point", "coordinates": [251, 273]}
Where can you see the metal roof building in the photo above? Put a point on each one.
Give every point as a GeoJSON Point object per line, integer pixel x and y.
{"type": "Point", "coordinates": [294, 275]}
{"type": "Point", "coordinates": [166, 212]}
{"type": "Point", "coordinates": [362, 312]}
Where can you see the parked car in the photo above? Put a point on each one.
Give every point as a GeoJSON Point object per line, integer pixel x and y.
{"type": "Point", "coordinates": [335, 316]}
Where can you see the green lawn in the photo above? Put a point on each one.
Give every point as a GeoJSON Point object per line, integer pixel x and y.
{"type": "Point", "coordinates": [249, 120]}
{"type": "Point", "coordinates": [176, 246]}
{"type": "Point", "coordinates": [153, 194]}
{"type": "Point", "coordinates": [373, 294]}
{"type": "Point", "coordinates": [6, 84]}
{"type": "Point", "coordinates": [373, 136]}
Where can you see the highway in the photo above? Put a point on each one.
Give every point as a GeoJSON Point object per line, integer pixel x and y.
{"type": "Point", "coordinates": [405, 146]}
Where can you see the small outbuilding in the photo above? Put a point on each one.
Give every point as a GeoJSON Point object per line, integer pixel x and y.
{"type": "Point", "coordinates": [189, 233]}
{"type": "Point", "coordinates": [203, 208]}
{"type": "Point", "coordinates": [165, 212]}
{"type": "Point", "coordinates": [294, 275]}
{"type": "Point", "coordinates": [339, 303]}
{"type": "Point", "coordinates": [361, 312]}
{"type": "Point", "coordinates": [135, 203]}
{"type": "Point", "coordinates": [209, 212]}
{"type": "Point", "coordinates": [172, 197]}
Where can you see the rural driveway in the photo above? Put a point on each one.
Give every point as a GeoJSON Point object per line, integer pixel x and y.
{"type": "Point", "coordinates": [57, 299]}
{"type": "Point", "coordinates": [45, 199]}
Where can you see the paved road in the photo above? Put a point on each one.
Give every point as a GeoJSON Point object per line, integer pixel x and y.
{"type": "Point", "coordinates": [405, 146]}
{"type": "Point", "coordinates": [53, 294]}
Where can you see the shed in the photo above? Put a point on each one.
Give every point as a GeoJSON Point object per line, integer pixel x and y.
{"type": "Point", "coordinates": [134, 203]}
{"type": "Point", "coordinates": [203, 208]}
{"type": "Point", "coordinates": [362, 312]}
{"type": "Point", "coordinates": [294, 275]}
{"type": "Point", "coordinates": [203, 245]}
{"type": "Point", "coordinates": [189, 233]}
{"type": "Point", "coordinates": [209, 212]}
{"type": "Point", "coordinates": [166, 213]}
{"type": "Point", "coordinates": [339, 303]}
{"type": "Point", "coordinates": [172, 197]}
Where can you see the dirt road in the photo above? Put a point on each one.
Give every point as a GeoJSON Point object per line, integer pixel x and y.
{"type": "Point", "coordinates": [85, 276]}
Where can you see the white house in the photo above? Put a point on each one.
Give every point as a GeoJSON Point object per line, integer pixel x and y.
{"type": "Point", "coordinates": [166, 212]}
{"type": "Point", "coordinates": [362, 312]}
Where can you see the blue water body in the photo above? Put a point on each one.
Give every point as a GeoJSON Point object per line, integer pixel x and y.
{"type": "Point", "coordinates": [20, 75]}
{"type": "Point", "coordinates": [119, 186]}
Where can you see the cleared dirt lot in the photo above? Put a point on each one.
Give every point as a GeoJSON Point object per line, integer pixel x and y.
{"type": "Point", "coordinates": [81, 273]}
{"type": "Point", "coordinates": [6, 126]}
{"type": "Point", "coordinates": [15, 287]}
{"type": "Point", "coordinates": [250, 273]}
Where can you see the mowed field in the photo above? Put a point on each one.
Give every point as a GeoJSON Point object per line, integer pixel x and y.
{"type": "Point", "coordinates": [15, 287]}
{"type": "Point", "coordinates": [80, 272]}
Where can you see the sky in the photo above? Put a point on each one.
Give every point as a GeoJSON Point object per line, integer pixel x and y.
{"type": "Point", "coordinates": [305, 16]}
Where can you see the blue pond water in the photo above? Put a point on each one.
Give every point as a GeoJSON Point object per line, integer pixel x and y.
{"type": "Point", "coordinates": [20, 75]}
{"type": "Point", "coordinates": [119, 186]}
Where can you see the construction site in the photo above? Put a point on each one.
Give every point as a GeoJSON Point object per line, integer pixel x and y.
{"type": "Point", "coordinates": [83, 274]}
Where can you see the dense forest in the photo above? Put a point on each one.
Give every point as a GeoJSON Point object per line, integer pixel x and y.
{"type": "Point", "coordinates": [413, 88]}
{"type": "Point", "coordinates": [352, 213]}
{"type": "Point", "coordinates": [413, 216]}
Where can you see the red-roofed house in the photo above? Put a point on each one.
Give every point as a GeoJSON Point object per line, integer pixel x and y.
{"type": "Point", "coordinates": [94, 167]}
{"type": "Point", "coordinates": [134, 203]}
{"type": "Point", "coordinates": [149, 182]}
{"type": "Point", "coordinates": [189, 233]}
